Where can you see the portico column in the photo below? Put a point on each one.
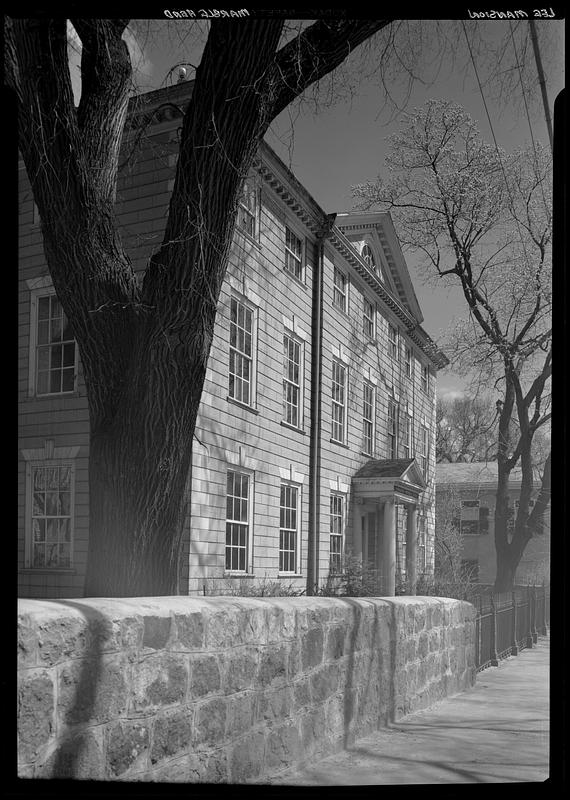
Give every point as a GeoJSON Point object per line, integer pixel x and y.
{"type": "Point", "coordinates": [411, 548]}
{"type": "Point", "coordinates": [357, 528]}
{"type": "Point", "coordinates": [389, 550]}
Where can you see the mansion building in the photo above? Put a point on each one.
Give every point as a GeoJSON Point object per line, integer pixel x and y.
{"type": "Point", "coordinates": [316, 432]}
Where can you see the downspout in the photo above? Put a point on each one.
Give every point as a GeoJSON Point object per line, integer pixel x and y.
{"type": "Point", "coordinates": [316, 405]}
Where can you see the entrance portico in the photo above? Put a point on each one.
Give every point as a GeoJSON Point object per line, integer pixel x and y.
{"type": "Point", "coordinates": [378, 486]}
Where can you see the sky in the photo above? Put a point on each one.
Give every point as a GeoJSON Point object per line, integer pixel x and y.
{"type": "Point", "coordinates": [343, 144]}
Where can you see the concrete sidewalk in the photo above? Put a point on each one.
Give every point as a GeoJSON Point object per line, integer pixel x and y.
{"type": "Point", "coordinates": [497, 732]}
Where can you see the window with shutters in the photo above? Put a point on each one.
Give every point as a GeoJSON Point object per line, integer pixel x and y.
{"type": "Point", "coordinates": [474, 518]}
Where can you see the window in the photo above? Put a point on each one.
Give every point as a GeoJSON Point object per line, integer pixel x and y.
{"type": "Point", "coordinates": [288, 528]}
{"type": "Point", "coordinates": [336, 528]}
{"type": "Point", "coordinates": [51, 488]}
{"type": "Point", "coordinates": [407, 443]}
{"type": "Point", "coordinates": [237, 521]}
{"type": "Point", "coordinates": [392, 342]}
{"type": "Point", "coordinates": [293, 254]}
{"type": "Point", "coordinates": [247, 208]}
{"type": "Point", "coordinates": [241, 371]}
{"type": "Point", "coordinates": [421, 551]}
{"type": "Point", "coordinates": [54, 353]}
{"type": "Point", "coordinates": [338, 401]}
{"type": "Point", "coordinates": [408, 361]}
{"type": "Point", "coordinates": [339, 289]}
{"type": "Point", "coordinates": [425, 378]}
{"type": "Point", "coordinates": [368, 405]}
{"type": "Point", "coordinates": [368, 256]}
{"type": "Point", "coordinates": [392, 429]}
{"type": "Point", "coordinates": [292, 376]}
{"type": "Point", "coordinates": [424, 449]}
{"type": "Point", "coordinates": [474, 518]}
{"type": "Point", "coordinates": [368, 319]}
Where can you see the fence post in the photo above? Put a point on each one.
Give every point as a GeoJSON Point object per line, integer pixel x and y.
{"type": "Point", "coordinates": [514, 645]}
{"type": "Point", "coordinates": [533, 630]}
{"type": "Point", "coordinates": [543, 628]}
{"type": "Point", "coordinates": [529, 641]}
{"type": "Point", "coordinates": [494, 654]}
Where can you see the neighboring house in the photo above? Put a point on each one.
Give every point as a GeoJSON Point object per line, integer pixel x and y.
{"type": "Point", "coordinates": [316, 433]}
{"type": "Point", "coordinates": [468, 492]}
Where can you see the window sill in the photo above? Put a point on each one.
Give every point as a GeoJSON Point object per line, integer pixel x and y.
{"type": "Point", "coordinates": [340, 444]}
{"type": "Point", "coordinates": [236, 574]}
{"type": "Point", "coordinates": [242, 405]}
{"type": "Point", "coordinates": [248, 237]}
{"type": "Point", "coordinates": [299, 281]}
{"type": "Point", "coordinates": [366, 455]}
{"type": "Point", "coordinates": [342, 310]}
{"type": "Point", "coordinates": [56, 396]}
{"type": "Point", "coordinates": [289, 575]}
{"type": "Point", "coordinates": [293, 428]}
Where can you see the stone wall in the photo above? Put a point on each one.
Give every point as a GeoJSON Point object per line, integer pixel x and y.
{"type": "Point", "coordinates": [224, 689]}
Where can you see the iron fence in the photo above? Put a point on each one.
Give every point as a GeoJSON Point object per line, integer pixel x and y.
{"type": "Point", "coordinates": [507, 623]}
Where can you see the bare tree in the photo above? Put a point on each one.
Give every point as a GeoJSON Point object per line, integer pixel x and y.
{"type": "Point", "coordinates": [466, 429]}
{"type": "Point", "coordinates": [144, 346]}
{"type": "Point", "coordinates": [482, 218]}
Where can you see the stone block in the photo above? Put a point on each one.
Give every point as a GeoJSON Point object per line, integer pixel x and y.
{"type": "Point", "coordinates": [302, 693]}
{"type": "Point", "coordinates": [283, 747]}
{"type": "Point", "coordinates": [159, 680]}
{"type": "Point", "coordinates": [272, 665]}
{"type": "Point", "coordinates": [280, 620]}
{"type": "Point", "coordinates": [336, 639]}
{"type": "Point", "coordinates": [127, 747]}
{"type": "Point", "coordinates": [313, 731]}
{"type": "Point", "coordinates": [27, 643]}
{"type": "Point", "coordinates": [172, 734]}
{"type": "Point", "coordinates": [156, 632]}
{"type": "Point", "coordinates": [241, 714]}
{"type": "Point", "coordinates": [241, 669]}
{"type": "Point", "coordinates": [205, 675]}
{"type": "Point", "coordinates": [246, 758]}
{"type": "Point", "coordinates": [214, 767]}
{"type": "Point", "coordinates": [324, 682]}
{"type": "Point", "coordinates": [174, 771]}
{"type": "Point", "coordinates": [80, 756]}
{"type": "Point", "coordinates": [274, 704]}
{"type": "Point", "coordinates": [35, 713]}
{"type": "Point", "coordinates": [92, 690]}
{"type": "Point", "coordinates": [61, 638]}
{"type": "Point", "coordinates": [189, 630]}
{"type": "Point", "coordinates": [312, 648]}
{"type": "Point", "coordinates": [422, 645]}
{"type": "Point", "coordinates": [210, 722]}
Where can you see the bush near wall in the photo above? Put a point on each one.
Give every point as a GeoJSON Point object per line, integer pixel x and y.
{"type": "Point", "coordinates": [224, 689]}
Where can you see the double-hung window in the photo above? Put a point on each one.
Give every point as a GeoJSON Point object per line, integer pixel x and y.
{"type": "Point", "coordinates": [248, 208]}
{"type": "Point", "coordinates": [339, 393]}
{"type": "Point", "coordinates": [238, 520]}
{"type": "Point", "coordinates": [408, 361]}
{"type": "Point", "coordinates": [53, 348]}
{"type": "Point", "coordinates": [288, 528]}
{"type": "Point", "coordinates": [392, 341]}
{"type": "Point", "coordinates": [368, 319]}
{"type": "Point", "coordinates": [336, 531]}
{"type": "Point", "coordinates": [392, 429]}
{"type": "Point", "coordinates": [407, 442]}
{"type": "Point", "coordinates": [51, 485]}
{"type": "Point", "coordinates": [474, 518]}
{"type": "Point", "coordinates": [368, 414]}
{"type": "Point", "coordinates": [425, 378]}
{"type": "Point", "coordinates": [242, 352]}
{"type": "Point", "coordinates": [424, 452]}
{"type": "Point", "coordinates": [339, 289]}
{"type": "Point", "coordinates": [292, 378]}
{"type": "Point", "coordinates": [421, 550]}
{"type": "Point", "coordinates": [293, 254]}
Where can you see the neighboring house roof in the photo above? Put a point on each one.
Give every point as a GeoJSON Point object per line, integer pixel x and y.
{"type": "Point", "coordinates": [477, 472]}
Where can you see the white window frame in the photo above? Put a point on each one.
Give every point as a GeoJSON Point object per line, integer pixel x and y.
{"type": "Point", "coordinates": [421, 558]}
{"type": "Point", "coordinates": [367, 255]}
{"type": "Point", "coordinates": [340, 291]}
{"type": "Point", "coordinates": [424, 445]}
{"type": "Point", "coordinates": [336, 521]}
{"type": "Point", "coordinates": [47, 457]}
{"type": "Point", "coordinates": [39, 288]}
{"type": "Point", "coordinates": [252, 359]}
{"type": "Point", "coordinates": [425, 378]}
{"type": "Point", "coordinates": [368, 319]}
{"type": "Point", "coordinates": [337, 407]}
{"type": "Point", "coordinates": [243, 209]}
{"type": "Point", "coordinates": [392, 426]}
{"type": "Point", "coordinates": [408, 434]}
{"type": "Point", "coordinates": [393, 341]}
{"type": "Point", "coordinates": [292, 256]}
{"type": "Point", "coordinates": [368, 423]}
{"type": "Point", "coordinates": [408, 362]}
{"type": "Point", "coordinates": [248, 522]}
{"type": "Point", "coordinates": [294, 530]}
{"type": "Point", "coordinates": [287, 334]}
